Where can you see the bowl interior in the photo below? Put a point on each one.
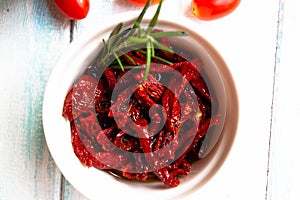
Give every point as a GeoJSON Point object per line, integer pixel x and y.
{"type": "Point", "coordinates": [220, 83]}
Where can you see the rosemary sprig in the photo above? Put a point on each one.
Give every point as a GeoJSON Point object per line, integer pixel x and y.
{"type": "Point", "coordinates": [120, 41]}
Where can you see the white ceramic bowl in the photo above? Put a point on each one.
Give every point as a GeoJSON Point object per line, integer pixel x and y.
{"type": "Point", "coordinates": [96, 184]}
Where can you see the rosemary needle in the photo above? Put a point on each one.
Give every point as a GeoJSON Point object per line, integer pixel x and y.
{"type": "Point", "coordinates": [136, 37]}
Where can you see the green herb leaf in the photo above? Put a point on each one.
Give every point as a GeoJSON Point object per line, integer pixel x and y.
{"type": "Point", "coordinates": [148, 59]}
{"type": "Point", "coordinates": [119, 61]}
{"type": "Point", "coordinates": [162, 47]}
{"type": "Point", "coordinates": [116, 30]}
{"type": "Point", "coordinates": [141, 16]}
{"type": "Point", "coordinates": [130, 59]}
{"type": "Point", "coordinates": [122, 41]}
{"type": "Point", "coordinates": [138, 40]}
{"type": "Point", "coordinates": [154, 19]}
{"type": "Point", "coordinates": [156, 57]}
{"type": "Point", "coordinates": [158, 35]}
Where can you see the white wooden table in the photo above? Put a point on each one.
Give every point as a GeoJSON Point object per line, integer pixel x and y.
{"type": "Point", "coordinates": [33, 36]}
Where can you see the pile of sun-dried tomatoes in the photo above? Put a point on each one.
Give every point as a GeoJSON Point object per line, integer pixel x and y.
{"type": "Point", "coordinates": [148, 129]}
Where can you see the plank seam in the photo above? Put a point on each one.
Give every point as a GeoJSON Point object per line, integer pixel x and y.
{"type": "Point", "coordinates": [62, 178]}
{"type": "Point", "coordinates": [62, 187]}
{"type": "Point", "coordinates": [277, 61]}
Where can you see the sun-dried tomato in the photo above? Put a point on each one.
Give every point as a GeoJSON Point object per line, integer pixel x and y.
{"type": "Point", "coordinates": [143, 98]}
{"type": "Point", "coordinates": [133, 59]}
{"type": "Point", "coordinates": [111, 78]}
{"type": "Point", "coordinates": [105, 137]}
{"type": "Point", "coordinates": [164, 118]}
{"type": "Point", "coordinates": [81, 98]}
{"type": "Point", "coordinates": [190, 72]}
{"type": "Point", "coordinates": [173, 111]}
{"type": "Point", "coordinates": [167, 178]}
{"type": "Point", "coordinates": [151, 86]}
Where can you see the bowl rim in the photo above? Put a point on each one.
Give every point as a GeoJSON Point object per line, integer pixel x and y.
{"type": "Point", "coordinates": [220, 147]}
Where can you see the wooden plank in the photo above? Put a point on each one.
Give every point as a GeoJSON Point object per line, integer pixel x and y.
{"type": "Point", "coordinates": [284, 175]}
{"type": "Point", "coordinates": [100, 12]}
{"type": "Point", "coordinates": [32, 36]}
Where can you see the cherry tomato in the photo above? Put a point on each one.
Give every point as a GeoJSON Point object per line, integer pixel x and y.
{"type": "Point", "coordinates": [213, 9]}
{"type": "Point", "coordinates": [73, 9]}
{"type": "Point", "coordinates": [142, 2]}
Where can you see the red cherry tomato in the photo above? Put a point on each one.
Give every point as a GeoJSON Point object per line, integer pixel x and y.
{"type": "Point", "coordinates": [213, 9]}
{"type": "Point", "coordinates": [73, 9]}
{"type": "Point", "coordinates": [142, 2]}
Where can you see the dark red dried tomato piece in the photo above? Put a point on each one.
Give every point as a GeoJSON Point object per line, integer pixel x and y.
{"type": "Point", "coordinates": [135, 111]}
{"type": "Point", "coordinates": [83, 154]}
{"type": "Point", "coordinates": [133, 59]}
{"type": "Point", "coordinates": [110, 77]}
{"type": "Point", "coordinates": [164, 68]}
{"type": "Point", "coordinates": [81, 98]}
{"type": "Point", "coordinates": [153, 88]}
{"type": "Point", "coordinates": [190, 106]}
{"type": "Point", "coordinates": [143, 98]}
{"type": "Point", "coordinates": [89, 124]}
{"type": "Point", "coordinates": [136, 176]}
{"type": "Point", "coordinates": [190, 72]}
{"type": "Point", "coordinates": [157, 117]}
{"type": "Point", "coordinates": [172, 107]}
{"type": "Point", "coordinates": [125, 142]}
{"type": "Point", "coordinates": [105, 139]}
{"type": "Point", "coordinates": [168, 179]}
{"type": "Point", "coordinates": [103, 128]}
{"type": "Point", "coordinates": [112, 159]}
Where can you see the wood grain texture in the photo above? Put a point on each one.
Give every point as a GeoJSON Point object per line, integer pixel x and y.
{"type": "Point", "coordinates": [284, 174]}
{"type": "Point", "coordinates": [32, 36]}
